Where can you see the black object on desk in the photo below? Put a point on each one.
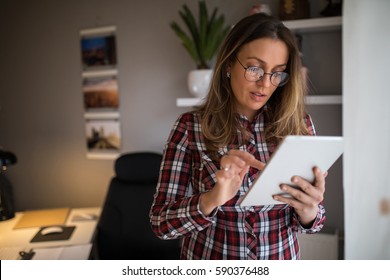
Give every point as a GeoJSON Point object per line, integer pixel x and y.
{"type": "Point", "coordinates": [64, 235]}
{"type": "Point", "coordinates": [26, 255]}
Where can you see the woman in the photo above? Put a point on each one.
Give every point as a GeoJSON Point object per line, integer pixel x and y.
{"type": "Point", "coordinates": [214, 153]}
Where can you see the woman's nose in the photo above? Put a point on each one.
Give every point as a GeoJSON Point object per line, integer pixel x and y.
{"type": "Point", "coordinates": [265, 81]}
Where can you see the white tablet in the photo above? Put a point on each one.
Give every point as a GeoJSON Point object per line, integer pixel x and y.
{"type": "Point", "coordinates": [296, 155]}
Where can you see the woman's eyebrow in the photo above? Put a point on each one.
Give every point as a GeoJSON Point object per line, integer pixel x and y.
{"type": "Point", "coordinates": [265, 63]}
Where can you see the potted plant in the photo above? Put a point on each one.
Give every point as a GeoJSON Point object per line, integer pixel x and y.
{"type": "Point", "coordinates": [202, 41]}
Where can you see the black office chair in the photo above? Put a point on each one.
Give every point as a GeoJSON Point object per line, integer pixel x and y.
{"type": "Point", "coordinates": [123, 230]}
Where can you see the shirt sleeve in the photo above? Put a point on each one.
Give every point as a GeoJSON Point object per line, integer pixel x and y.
{"type": "Point", "coordinates": [310, 125]}
{"type": "Point", "coordinates": [318, 222]}
{"type": "Point", "coordinates": [175, 212]}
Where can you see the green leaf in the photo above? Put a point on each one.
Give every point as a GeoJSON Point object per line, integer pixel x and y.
{"type": "Point", "coordinates": [203, 38]}
{"type": "Point", "coordinates": [187, 42]}
{"type": "Point", "coordinates": [203, 26]}
{"type": "Point", "coordinates": [215, 37]}
{"type": "Point", "coordinates": [190, 22]}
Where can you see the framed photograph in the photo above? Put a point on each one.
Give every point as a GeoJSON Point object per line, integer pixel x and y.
{"type": "Point", "coordinates": [98, 48]}
{"type": "Point", "coordinates": [100, 93]}
{"type": "Point", "coordinates": [103, 135]}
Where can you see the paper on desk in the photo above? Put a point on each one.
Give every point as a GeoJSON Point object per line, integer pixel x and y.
{"type": "Point", "coordinates": [11, 253]}
{"type": "Point", "coordinates": [84, 217]}
{"type": "Point", "coordinates": [40, 218]}
{"type": "Point", "coordinates": [76, 252]}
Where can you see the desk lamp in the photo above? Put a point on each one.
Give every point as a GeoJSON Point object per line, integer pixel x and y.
{"type": "Point", "coordinates": [6, 196]}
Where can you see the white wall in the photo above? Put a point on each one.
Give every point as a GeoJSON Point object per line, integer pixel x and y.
{"type": "Point", "coordinates": [41, 103]}
{"type": "Point", "coordinates": [366, 127]}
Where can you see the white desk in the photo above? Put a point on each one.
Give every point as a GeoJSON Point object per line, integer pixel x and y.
{"type": "Point", "coordinates": [82, 235]}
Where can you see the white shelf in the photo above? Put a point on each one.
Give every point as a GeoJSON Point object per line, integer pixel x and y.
{"type": "Point", "coordinates": [314, 24]}
{"type": "Point", "coordinates": [310, 100]}
{"type": "Point", "coordinates": [324, 100]}
{"type": "Point", "coordinates": [188, 102]}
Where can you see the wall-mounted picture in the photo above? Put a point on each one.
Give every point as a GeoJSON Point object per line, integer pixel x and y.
{"type": "Point", "coordinates": [98, 51]}
{"type": "Point", "coordinates": [100, 93]}
{"type": "Point", "coordinates": [103, 135]}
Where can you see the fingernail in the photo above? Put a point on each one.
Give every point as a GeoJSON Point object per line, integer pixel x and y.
{"type": "Point", "coordinates": [275, 197]}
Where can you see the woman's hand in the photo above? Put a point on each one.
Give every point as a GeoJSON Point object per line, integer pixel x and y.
{"type": "Point", "coordinates": [234, 166]}
{"type": "Point", "coordinates": [306, 198]}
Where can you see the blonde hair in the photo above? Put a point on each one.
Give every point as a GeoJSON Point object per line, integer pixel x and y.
{"type": "Point", "coordinates": [284, 112]}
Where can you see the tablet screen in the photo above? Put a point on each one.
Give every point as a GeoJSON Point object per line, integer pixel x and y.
{"type": "Point", "coordinates": [296, 155]}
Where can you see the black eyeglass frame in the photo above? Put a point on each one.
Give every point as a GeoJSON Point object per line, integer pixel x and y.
{"type": "Point", "coordinates": [287, 76]}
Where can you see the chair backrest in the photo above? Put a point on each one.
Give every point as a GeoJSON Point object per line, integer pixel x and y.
{"type": "Point", "coordinates": [124, 231]}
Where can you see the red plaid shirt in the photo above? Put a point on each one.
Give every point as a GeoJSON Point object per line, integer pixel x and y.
{"type": "Point", "coordinates": [231, 231]}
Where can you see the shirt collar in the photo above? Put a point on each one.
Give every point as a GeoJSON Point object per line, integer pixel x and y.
{"type": "Point", "coordinates": [244, 120]}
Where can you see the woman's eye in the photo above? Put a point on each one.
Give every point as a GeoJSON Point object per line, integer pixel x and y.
{"type": "Point", "coordinates": [256, 70]}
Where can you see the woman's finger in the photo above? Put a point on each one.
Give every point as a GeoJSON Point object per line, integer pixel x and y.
{"type": "Point", "coordinates": [248, 158]}
{"type": "Point", "coordinates": [319, 178]}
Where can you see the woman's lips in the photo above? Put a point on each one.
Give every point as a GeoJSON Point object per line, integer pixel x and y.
{"type": "Point", "coordinates": [258, 96]}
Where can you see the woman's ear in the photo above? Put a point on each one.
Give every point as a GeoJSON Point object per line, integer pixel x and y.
{"type": "Point", "coordinates": [228, 67]}
{"type": "Point", "coordinates": [228, 71]}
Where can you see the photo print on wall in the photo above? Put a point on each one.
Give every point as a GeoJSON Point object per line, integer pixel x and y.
{"type": "Point", "coordinates": [100, 92]}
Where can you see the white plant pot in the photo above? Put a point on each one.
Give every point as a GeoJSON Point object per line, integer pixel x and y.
{"type": "Point", "coordinates": [199, 82]}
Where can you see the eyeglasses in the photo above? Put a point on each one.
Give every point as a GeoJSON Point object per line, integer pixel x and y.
{"type": "Point", "coordinates": [254, 74]}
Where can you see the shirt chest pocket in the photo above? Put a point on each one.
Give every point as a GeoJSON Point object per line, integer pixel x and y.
{"type": "Point", "coordinates": [204, 173]}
